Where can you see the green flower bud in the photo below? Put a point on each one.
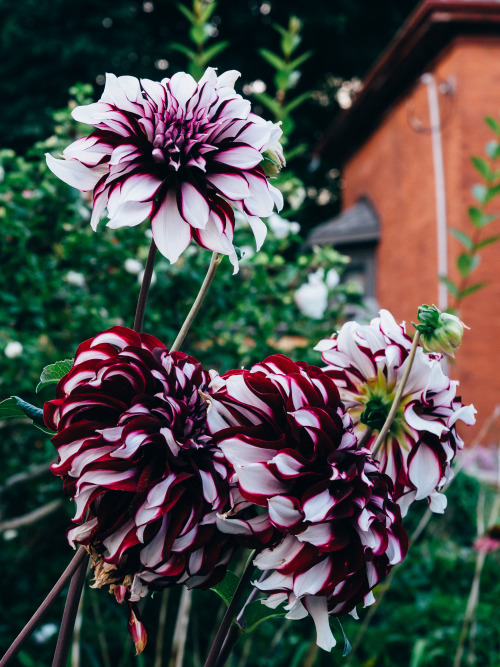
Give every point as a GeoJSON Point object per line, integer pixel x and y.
{"type": "Point", "coordinates": [439, 332]}
{"type": "Point", "coordinates": [273, 160]}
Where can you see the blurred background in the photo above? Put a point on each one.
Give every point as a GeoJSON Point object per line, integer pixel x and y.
{"type": "Point", "coordinates": [358, 231]}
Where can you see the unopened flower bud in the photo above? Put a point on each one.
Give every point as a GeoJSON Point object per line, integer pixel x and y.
{"type": "Point", "coordinates": [273, 160]}
{"type": "Point", "coordinates": [440, 332]}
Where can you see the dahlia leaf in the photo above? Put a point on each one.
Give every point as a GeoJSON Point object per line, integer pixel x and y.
{"type": "Point", "coordinates": [226, 588]}
{"type": "Point", "coordinates": [53, 373]}
{"type": "Point", "coordinates": [256, 612]}
{"type": "Point", "coordinates": [347, 643]}
{"type": "Point", "coordinates": [15, 407]}
{"type": "Point", "coordinates": [9, 409]}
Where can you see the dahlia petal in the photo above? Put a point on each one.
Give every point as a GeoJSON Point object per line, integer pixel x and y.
{"type": "Point", "coordinates": [277, 557]}
{"type": "Point", "coordinates": [419, 423]}
{"type": "Point", "coordinates": [232, 186]}
{"type": "Point", "coordinates": [313, 580]}
{"type": "Point", "coordinates": [319, 534]}
{"type": "Point", "coordinates": [228, 78]}
{"type": "Point", "coordinates": [438, 502]}
{"type": "Point", "coordinates": [140, 187]}
{"type": "Point", "coordinates": [241, 157]}
{"type": "Point", "coordinates": [194, 207]}
{"type": "Point", "coordinates": [318, 507]}
{"type": "Point", "coordinates": [283, 512]}
{"type": "Point", "coordinates": [123, 92]}
{"type": "Point", "coordinates": [91, 114]}
{"type": "Point", "coordinates": [424, 471]}
{"type": "Point", "coordinates": [317, 607]}
{"type": "Point", "coordinates": [239, 452]}
{"type": "Point", "coordinates": [74, 173]}
{"type": "Point", "coordinates": [466, 413]}
{"type": "Point", "coordinates": [130, 214]}
{"type": "Point", "coordinates": [256, 479]}
{"type": "Point", "coordinates": [87, 150]}
{"type": "Point", "coordinates": [182, 86]}
{"type": "Point", "coordinates": [82, 532]}
{"type": "Point", "coordinates": [297, 611]}
{"type": "Point", "coordinates": [259, 230]}
{"type": "Point", "coordinates": [170, 232]}
{"type": "Point", "coordinates": [274, 600]}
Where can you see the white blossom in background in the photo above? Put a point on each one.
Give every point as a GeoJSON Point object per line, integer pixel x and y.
{"type": "Point", "coordinates": [332, 279]}
{"type": "Point", "coordinates": [281, 227]}
{"type": "Point", "coordinates": [180, 152]}
{"type": "Point", "coordinates": [13, 349]}
{"type": "Point", "coordinates": [75, 278]}
{"type": "Point", "coordinates": [133, 266]}
{"type": "Point", "coordinates": [311, 298]}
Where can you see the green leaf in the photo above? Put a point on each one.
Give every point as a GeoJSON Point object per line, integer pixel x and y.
{"type": "Point", "coordinates": [488, 241]}
{"type": "Point", "coordinates": [493, 149]}
{"type": "Point", "coordinates": [297, 101]}
{"type": "Point", "coordinates": [187, 13]}
{"type": "Point", "coordinates": [15, 407]}
{"type": "Point", "coordinates": [256, 612]}
{"type": "Point", "coordinates": [492, 192]}
{"type": "Point", "coordinates": [299, 60]}
{"type": "Point", "coordinates": [472, 289]}
{"type": "Point", "coordinates": [463, 238]}
{"type": "Point", "coordinates": [480, 219]}
{"type": "Point", "coordinates": [211, 52]}
{"type": "Point", "coordinates": [467, 263]}
{"type": "Point", "coordinates": [183, 49]}
{"type": "Point", "coordinates": [269, 102]}
{"type": "Point", "coordinates": [482, 167]}
{"type": "Point", "coordinates": [207, 11]}
{"type": "Point", "coordinates": [494, 124]}
{"type": "Point", "coordinates": [450, 285]}
{"type": "Point", "coordinates": [198, 34]}
{"type": "Point", "coordinates": [54, 372]}
{"type": "Point", "coordinates": [480, 192]}
{"type": "Point", "coordinates": [273, 59]}
{"type": "Point", "coordinates": [226, 588]}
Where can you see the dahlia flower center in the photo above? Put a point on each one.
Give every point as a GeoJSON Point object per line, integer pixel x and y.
{"type": "Point", "coordinates": [176, 137]}
{"type": "Point", "coordinates": [377, 397]}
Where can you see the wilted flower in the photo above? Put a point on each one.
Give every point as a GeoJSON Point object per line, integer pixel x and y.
{"type": "Point", "coordinates": [178, 151]}
{"type": "Point", "coordinates": [327, 517]}
{"type": "Point", "coordinates": [312, 297]}
{"type": "Point", "coordinates": [439, 332]}
{"type": "Point", "coordinates": [13, 349]}
{"type": "Point", "coordinates": [136, 455]}
{"type": "Point", "coordinates": [367, 363]}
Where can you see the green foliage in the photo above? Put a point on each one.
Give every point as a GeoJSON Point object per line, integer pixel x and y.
{"type": "Point", "coordinates": [226, 588]}
{"type": "Point", "coordinates": [468, 261]}
{"type": "Point", "coordinates": [52, 373]}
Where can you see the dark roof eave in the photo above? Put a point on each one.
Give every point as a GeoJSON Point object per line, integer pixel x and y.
{"type": "Point", "coordinates": [428, 30]}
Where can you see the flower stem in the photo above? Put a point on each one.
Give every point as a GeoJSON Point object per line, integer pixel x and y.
{"type": "Point", "coordinates": [69, 615]}
{"type": "Point", "coordinates": [214, 263]}
{"type": "Point", "coordinates": [397, 398]}
{"type": "Point", "coordinates": [220, 637]}
{"type": "Point", "coordinates": [42, 610]}
{"type": "Point", "coordinates": [146, 283]}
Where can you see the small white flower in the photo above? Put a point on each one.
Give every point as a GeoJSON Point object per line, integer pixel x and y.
{"type": "Point", "coordinates": [45, 632]}
{"type": "Point", "coordinates": [13, 349]}
{"type": "Point", "coordinates": [133, 266]}
{"type": "Point", "coordinates": [75, 278]}
{"type": "Point", "coordinates": [332, 279]}
{"type": "Point", "coordinates": [312, 297]}
{"type": "Point", "coordinates": [10, 534]}
{"type": "Point", "coordinates": [282, 228]}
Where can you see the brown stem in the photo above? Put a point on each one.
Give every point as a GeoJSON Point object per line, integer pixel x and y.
{"type": "Point", "coordinates": [69, 615]}
{"type": "Point", "coordinates": [146, 282]}
{"type": "Point", "coordinates": [42, 610]}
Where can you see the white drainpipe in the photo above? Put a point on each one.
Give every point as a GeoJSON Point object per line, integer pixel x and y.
{"type": "Point", "coordinates": [439, 185]}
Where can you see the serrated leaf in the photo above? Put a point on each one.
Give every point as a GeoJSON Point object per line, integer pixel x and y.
{"type": "Point", "coordinates": [273, 59]}
{"type": "Point", "coordinates": [450, 285]}
{"type": "Point", "coordinates": [9, 409]}
{"type": "Point", "coordinates": [54, 372]}
{"type": "Point", "coordinates": [183, 49]}
{"type": "Point", "coordinates": [226, 588]}
{"type": "Point", "coordinates": [488, 241]}
{"type": "Point", "coordinates": [494, 124]}
{"type": "Point", "coordinates": [211, 52]}
{"type": "Point", "coordinates": [472, 289]}
{"type": "Point", "coordinates": [482, 167]}
{"type": "Point", "coordinates": [493, 149]}
{"type": "Point", "coordinates": [463, 238]}
{"type": "Point", "coordinates": [256, 612]}
{"type": "Point", "coordinates": [297, 101]}
{"type": "Point", "coordinates": [467, 263]}
{"type": "Point", "coordinates": [480, 192]}
{"type": "Point", "coordinates": [299, 60]}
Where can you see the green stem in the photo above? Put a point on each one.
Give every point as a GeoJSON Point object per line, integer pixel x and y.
{"type": "Point", "coordinates": [397, 398]}
{"type": "Point", "coordinates": [214, 263]}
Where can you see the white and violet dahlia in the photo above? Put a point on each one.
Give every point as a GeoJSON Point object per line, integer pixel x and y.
{"type": "Point", "coordinates": [136, 455]}
{"type": "Point", "coordinates": [367, 363]}
{"type": "Point", "coordinates": [300, 485]}
{"type": "Point", "coordinates": [179, 151]}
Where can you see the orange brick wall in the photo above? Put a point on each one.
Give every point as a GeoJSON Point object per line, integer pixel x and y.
{"type": "Point", "coordinates": [395, 169]}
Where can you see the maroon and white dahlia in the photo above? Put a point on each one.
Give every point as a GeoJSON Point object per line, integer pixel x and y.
{"type": "Point", "coordinates": [325, 512]}
{"type": "Point", "coordinates": [136, 455]}
{"type": "Point", "coordinates": [180, 151]}
{"type": "Point", "coordinates": [367, 363]}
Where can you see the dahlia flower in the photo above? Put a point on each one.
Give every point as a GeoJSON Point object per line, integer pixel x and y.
{"type": "Point", "coordinates": [179, 151]}
{"type": "Point", "coordinates": [367, 363]}
{"type": "Point", "coordinates": [327, 519]}
{"type": "Point", "coordinates": [136, 455]}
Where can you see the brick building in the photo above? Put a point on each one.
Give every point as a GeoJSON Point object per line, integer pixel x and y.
{"type": "Point", "coordinates": [405, 146]}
